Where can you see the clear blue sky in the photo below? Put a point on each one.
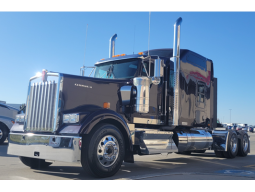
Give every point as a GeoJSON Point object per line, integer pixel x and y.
{"type": "Point", "coordinates": [30, 42]}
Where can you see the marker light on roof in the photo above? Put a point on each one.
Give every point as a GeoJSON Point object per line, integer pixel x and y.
{"type": "Point", "coordinates": [140, 53]}
{"type": "Point", "coordinates": [118, 55]}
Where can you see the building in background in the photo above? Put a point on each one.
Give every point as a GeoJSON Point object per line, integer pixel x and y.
{"type": "Point", "coordinates": [17, 106]}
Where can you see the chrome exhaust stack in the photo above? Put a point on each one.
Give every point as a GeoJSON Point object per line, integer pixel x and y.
{"type": "Point", "coordinates": [176, 58]}
{"type": "Point", "coordinates": [112, 45]}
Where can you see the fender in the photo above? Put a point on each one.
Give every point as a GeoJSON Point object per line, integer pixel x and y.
{"type": "Point", "coordinates": [7, 121]}
{"type": "Point", "coordinates": [107, 115]}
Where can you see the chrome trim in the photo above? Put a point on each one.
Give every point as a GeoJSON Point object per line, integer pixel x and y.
{"type": "Point", "coordinates": [220, 140]}
{"type": "Point", "coordinates": [43, 94]}
{"type": "Point", "coordinates": [143, 90]}
{"type": "Point", "coordinates": [112, 45]}
{"type": "Point", "coordinates": [153, 141]}
{"type": "Point", "coordinates": [35, 77]}
{"type": "Point", "coordinates": [193, 140]}
{"type": "Point", "coordinates": [50, 147]}
{"type": "Point", "coordinates": [158, 68]}
{"type": "Point", "coordinates": [33, 109]}
{"type": "Point", "coordinates": [176, 57]}
{"type": "Point", "coordinates": [107, 150]}
{"type": "Point", "coordinates": [146, 121]}
{"type": "Point", "coordinates": [44, 104]}
{"type": "Point", "coordinates": [58, 102]}
{"type": "Point", "coordinates": [53, 74]}
{"type": "Point", "coordinates": [51, 103]}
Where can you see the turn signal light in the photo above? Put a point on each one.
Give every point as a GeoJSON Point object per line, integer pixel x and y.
{"type": "Point", "coordinates": [118, 55]}
{"type": "Point", "coordinates": [106, 105]}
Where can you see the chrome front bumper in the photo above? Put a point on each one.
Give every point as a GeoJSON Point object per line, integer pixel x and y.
{"type": "Point", "coordinates": [49, 147]}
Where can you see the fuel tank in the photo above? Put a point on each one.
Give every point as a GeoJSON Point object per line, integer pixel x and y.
{"type": "Point", "coordinates": [192, 140]}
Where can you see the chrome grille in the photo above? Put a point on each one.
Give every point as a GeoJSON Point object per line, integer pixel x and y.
{"type": "Point", "coordinates": [41, 106]}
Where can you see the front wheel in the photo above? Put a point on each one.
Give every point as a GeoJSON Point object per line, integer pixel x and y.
{"type": "Point", "coordinates": [103, 151]}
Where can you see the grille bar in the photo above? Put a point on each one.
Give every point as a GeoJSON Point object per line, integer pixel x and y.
{"type": "Point", "coordinates": [41, 106]}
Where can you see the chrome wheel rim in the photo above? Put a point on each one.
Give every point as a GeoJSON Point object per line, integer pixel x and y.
{"type": "Point", "coordinates": [233, 144]}
{"type": "Point", "coordinates": [245, 143]}
{"type": "Point", "coordinates": [1, 134]}
{"type": "Point", "coordinates": [107, 151]}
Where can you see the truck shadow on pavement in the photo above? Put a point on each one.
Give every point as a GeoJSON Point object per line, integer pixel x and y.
{"type": "Point", "coordinates": [179, 164]}
{"type": "Point", "coordinates": [3, 150]}
{"type": "Point", "coordinates": [67, 172]}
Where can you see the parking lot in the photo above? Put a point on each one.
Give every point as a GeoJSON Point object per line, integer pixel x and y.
{"type": "Point", "coordinates": [156, 167]}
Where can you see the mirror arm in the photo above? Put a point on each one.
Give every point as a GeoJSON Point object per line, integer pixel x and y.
{"type": "Point", "coordinates": [145, 69]}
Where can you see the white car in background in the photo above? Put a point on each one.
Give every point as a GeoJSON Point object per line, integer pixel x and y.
{"type": "Point", "coordinates": [7, 119]}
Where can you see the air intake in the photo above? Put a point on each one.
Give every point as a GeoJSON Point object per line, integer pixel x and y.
{"type": "Point", "coordinates": [176, 57]}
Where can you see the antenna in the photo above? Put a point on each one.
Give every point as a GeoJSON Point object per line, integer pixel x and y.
{"type": "Point", "coordinates": [149, 33]}
{"type": "Point", "coordinates": [83, 68]}
{"type": "Point", "coordinates": [134, 42]}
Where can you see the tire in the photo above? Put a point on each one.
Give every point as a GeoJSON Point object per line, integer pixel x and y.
{"type": "Point", "coordinates": [34, 163]}
{"type": "Point", "coordinates": [232, 149]}
{"type": "Point", "coordinates": [219, 154]}
{"type": "Point", "coordinates": [103, 151]}
{"type": "Point", "coordinates": [243, 145]}
{"type": "Point", "coordinates": [3, 133]}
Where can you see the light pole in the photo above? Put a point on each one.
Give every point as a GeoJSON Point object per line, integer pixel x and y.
{"type": "Point", "coordinates": [230, 115]}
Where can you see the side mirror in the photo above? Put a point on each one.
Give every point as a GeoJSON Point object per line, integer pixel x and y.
{"type": "Point", "coordinates": [158, 71]}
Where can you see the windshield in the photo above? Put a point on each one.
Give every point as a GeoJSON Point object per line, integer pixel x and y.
{"type": "Point", "coordinates": [117, 69]}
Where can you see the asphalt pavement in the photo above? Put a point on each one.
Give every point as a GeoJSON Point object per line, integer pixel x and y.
{"type": "Point", "coordinates": [205, 166]}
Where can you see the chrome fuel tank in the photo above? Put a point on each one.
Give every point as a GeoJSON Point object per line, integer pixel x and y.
{"type": "Point", "coordinates": [193, 140]}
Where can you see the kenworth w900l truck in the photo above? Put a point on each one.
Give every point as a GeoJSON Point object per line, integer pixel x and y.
{"type": "Point", "coordinates": [157, 101]}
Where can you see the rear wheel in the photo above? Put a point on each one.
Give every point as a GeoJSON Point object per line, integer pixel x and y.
{"type": "Point", "coordinates": [103, 151]}
{"type": "Point", "coordinates": [232, 144]}
{"type": "Point", "coordinates": [243, 145]}
{"type": "Point", "coordinates": [34, 163]}
{"type": "Point", "coordinates": [3, 133]}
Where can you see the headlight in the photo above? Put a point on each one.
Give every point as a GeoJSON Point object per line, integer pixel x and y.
{"type": "Point", "coordinates": [20, 118]}
{"type": "Point", "coordinates": [71, 118]}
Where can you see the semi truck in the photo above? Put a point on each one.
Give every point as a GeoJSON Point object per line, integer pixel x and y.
{"type": "Point", "coordinates": [159, 101]}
